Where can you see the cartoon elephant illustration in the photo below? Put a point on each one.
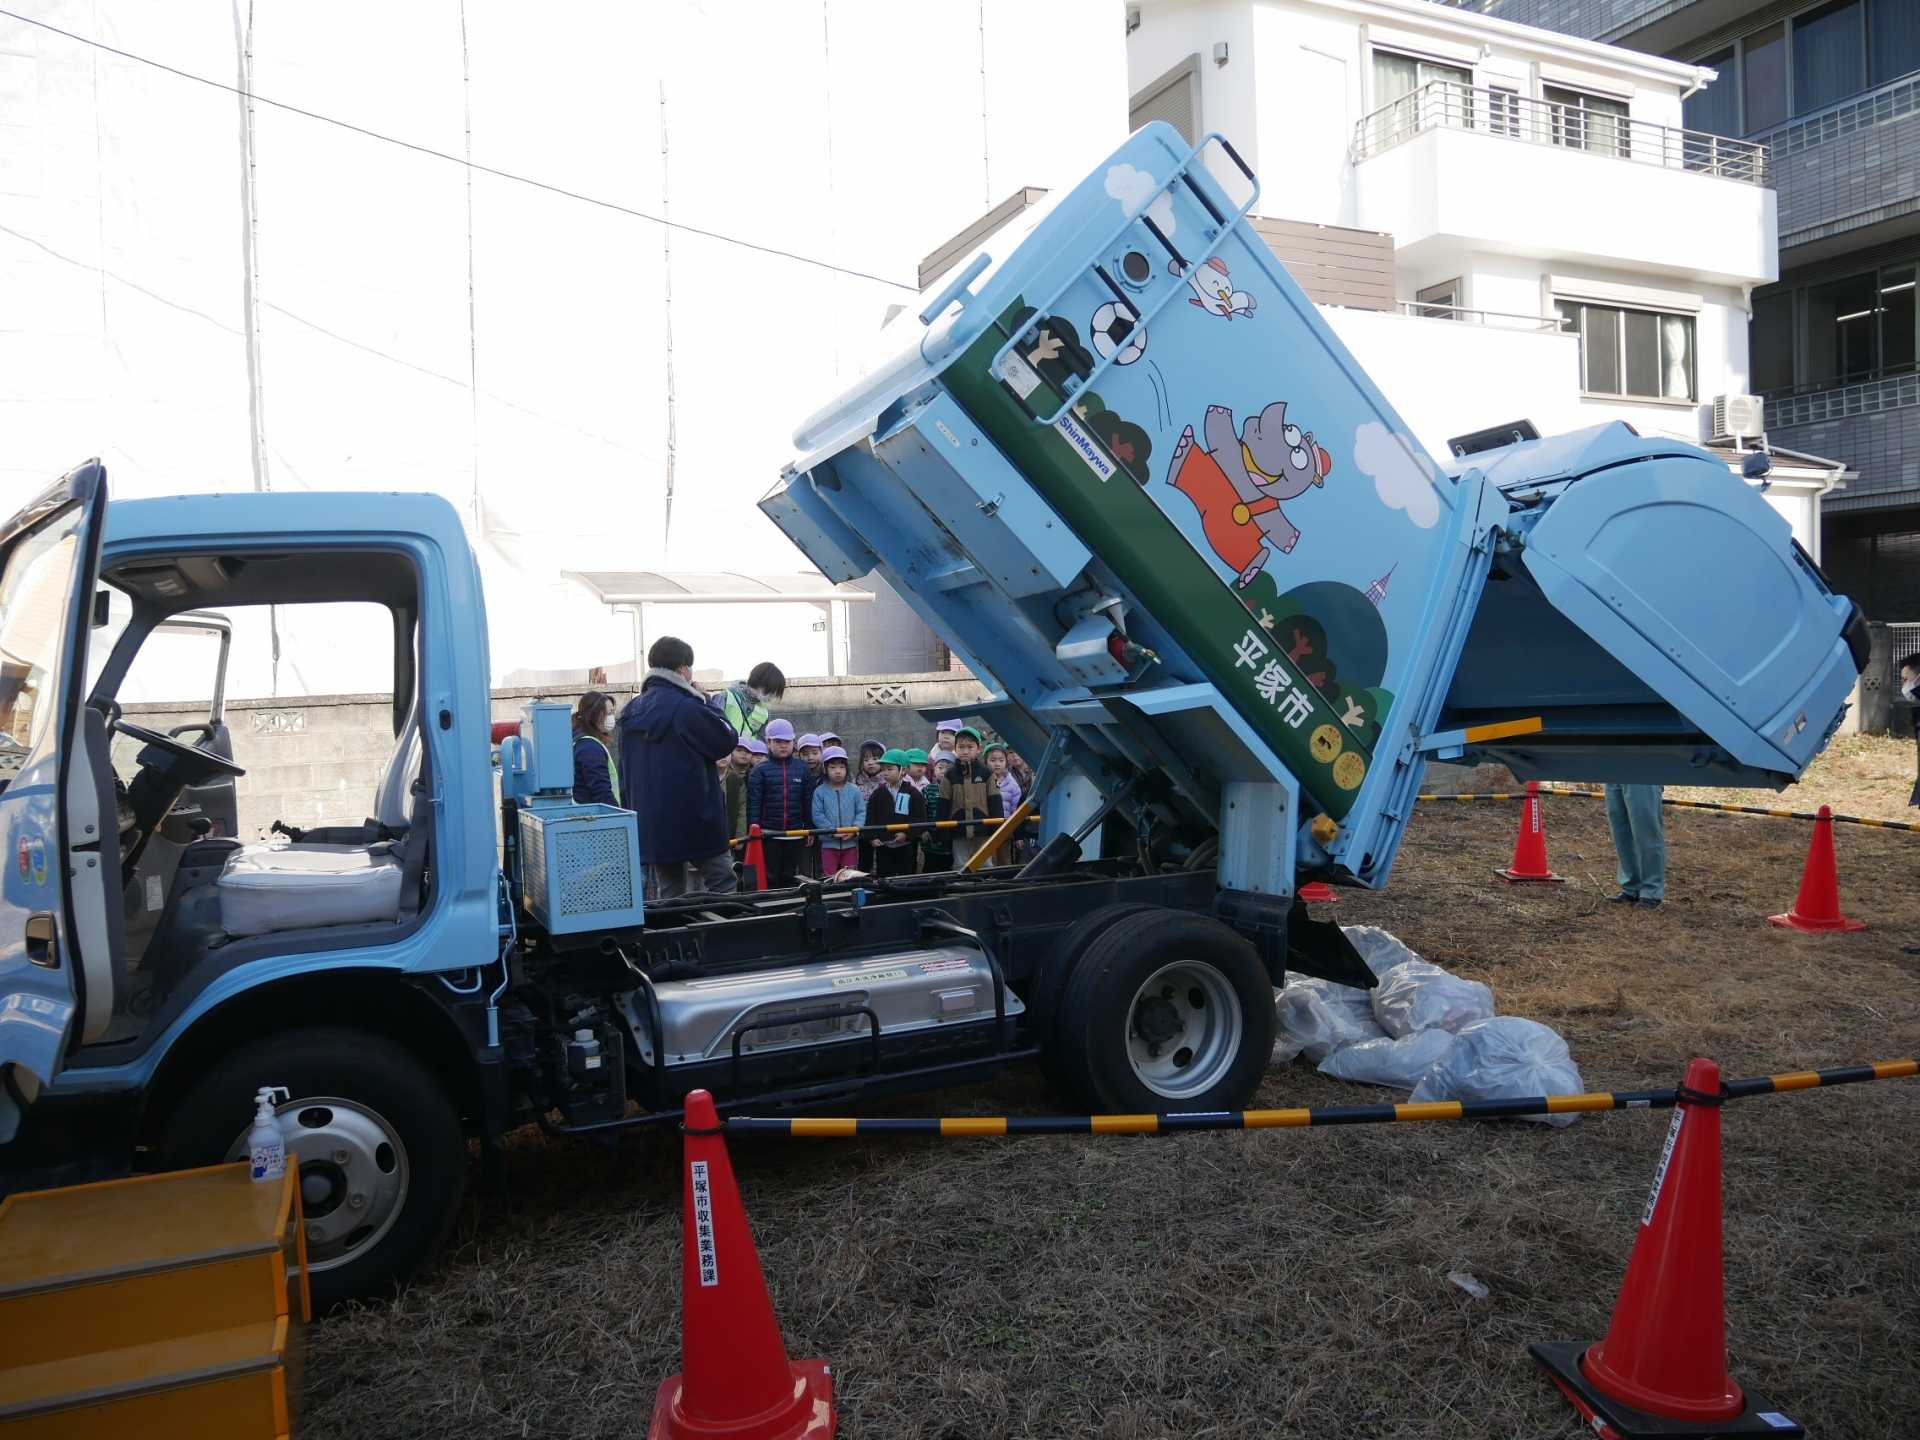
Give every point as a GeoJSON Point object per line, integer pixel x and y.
{"type": "Point", "coordinates": [1237, 481]}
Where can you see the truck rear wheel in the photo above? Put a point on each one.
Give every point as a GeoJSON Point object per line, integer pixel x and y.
{"type": "Point", "coordinates": [1050, 986]}
{"type": "Point", "coordinates": [383, 1158]}
{"type": "Point", "coordinates": [1168, 1011]}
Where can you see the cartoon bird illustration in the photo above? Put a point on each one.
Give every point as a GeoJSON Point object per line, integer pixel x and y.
{"type": "Point", "coordinates": [1213, 288]}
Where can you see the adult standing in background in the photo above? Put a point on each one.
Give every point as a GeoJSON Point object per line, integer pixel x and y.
{"type": "Point", "coordinates": [746, 704]}
{"type": "Point", "coordinates": [670, 740]}
{"type": "Point", "coordinates": [1640, 844]}
{"type": "Point", "coordinates": [1910, 692]}
{"type": "Point", "coordinates": [596, 775]}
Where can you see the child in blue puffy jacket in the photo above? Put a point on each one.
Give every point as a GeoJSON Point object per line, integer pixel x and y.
{"type": "Point", "coordinates": [837, 802]}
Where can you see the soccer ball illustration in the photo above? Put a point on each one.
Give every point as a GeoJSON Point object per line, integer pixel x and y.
{"type": "Point", "coordinates": [1117, 331]}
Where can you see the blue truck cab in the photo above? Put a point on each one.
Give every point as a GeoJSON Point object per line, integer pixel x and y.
{"type": "Point", "coordinates": [1122, 466]}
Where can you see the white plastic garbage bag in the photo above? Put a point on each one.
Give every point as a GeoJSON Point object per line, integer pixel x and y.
{"type": "Point", "coordinates": [1285, 1047]}
{"type": "Point", "coordinates": [1381, 949]}
{"type": "Point", "coordinates": [1418, 995]}
{"type": "Point", "coordinates": [1322, 1016]}
{"type": "Point", "coordinates": [1504, 1058]}
{"type": "Point", "coordinates": [1396, 1060]}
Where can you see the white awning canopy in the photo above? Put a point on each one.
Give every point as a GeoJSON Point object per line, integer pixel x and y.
{"type": "Point", "coordinates": [711, 587]}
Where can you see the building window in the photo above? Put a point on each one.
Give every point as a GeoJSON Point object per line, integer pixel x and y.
{"type": "Point", "coordinates": [1439, 302]}
{"type": "Point", "coordinates": [1715, 110]}
{"type": "Point", "coordinates": [1772, 341]}
{"type": "Point", "coordinates": [1851, 329]}
{"type": "Point", "coordinates": [1587, 122]}
{"type": "Point", "coordinates": [1503, 110]}
{"type": "Point", "coordinates": [1635, 354]}
{"type": "Point", "coordinates": [1829, 55]}
{"type": "Point", "coordinates": [1174, 98]}
{"type": "Point", "coordinates": [1894, 41]}
{"type": "Point", "coordinates": [1763, 77]}
{"type": "Point", "coordinates": [1422, 95]}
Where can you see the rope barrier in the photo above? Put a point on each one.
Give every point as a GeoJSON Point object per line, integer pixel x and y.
{"type": "Point", "coordinates": [1306, 1117]}
{"type": "Point", "coordinates": [905, 825]}
{"type": "Point", "coordinates": [1719, 805]}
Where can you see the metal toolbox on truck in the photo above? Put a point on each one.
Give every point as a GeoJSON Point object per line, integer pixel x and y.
{"type": "Point", "coordinates": [580, 867]}
{"type": "Point", "coordinates": [1122, 465]}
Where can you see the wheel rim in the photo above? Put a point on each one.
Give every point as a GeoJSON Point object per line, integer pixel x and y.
{"type": "Point", "coordinates": [1183, 1029]}
{"type": "Point", "coordinates": [353, 1175]}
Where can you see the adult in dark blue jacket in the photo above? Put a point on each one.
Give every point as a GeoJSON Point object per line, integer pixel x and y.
{"type": "Point", "coordinates": [670, 740]}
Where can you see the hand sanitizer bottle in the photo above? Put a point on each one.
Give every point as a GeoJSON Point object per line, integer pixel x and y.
{"type": "Point", "coordinates": [266, 1147]}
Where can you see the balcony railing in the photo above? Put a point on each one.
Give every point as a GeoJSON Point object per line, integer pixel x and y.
{"type": "Point", "coordinates": [1837, 399]}
{"type": "Point", "coordinates": [1497, 319]}
{"type": "Point", "coordinates": [1449, 105]}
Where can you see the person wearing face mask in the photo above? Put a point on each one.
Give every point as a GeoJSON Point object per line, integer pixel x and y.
{"type": "Point", "coordinates": [1910, 692]}
{"type": "Point", "coordinates": [596, 776]}
{"type": "Point", "coordinates": [670, 740]}
{"type": "Point", "coordinates": [746, 704]}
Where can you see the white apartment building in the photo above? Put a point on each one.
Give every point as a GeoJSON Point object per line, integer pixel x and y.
{"type": "Point", "coordinates": [1560, 249]}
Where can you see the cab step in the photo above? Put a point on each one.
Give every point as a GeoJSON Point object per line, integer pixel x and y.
{"type": "Point", "coordinates": [159, 1304]}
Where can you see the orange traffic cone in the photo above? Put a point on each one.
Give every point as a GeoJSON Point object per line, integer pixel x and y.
{"type": "Point", "coordinates": [1318, 892]}
{"type": "Point", "coordinates": [1530, 846]}
{"type": "Point", "coordinates": [1817, 907]}
{"type": "Point", "coordinates": [755, 863]}
{"type": "Point", "coordinates": [738, 1382]}
{"type": "Point", "coordinates": [1662, 1370]}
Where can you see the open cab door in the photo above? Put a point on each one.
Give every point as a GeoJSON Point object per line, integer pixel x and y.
{"type": "Point", "coordinates": [58, 811]}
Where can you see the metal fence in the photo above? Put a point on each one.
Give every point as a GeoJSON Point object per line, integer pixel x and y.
{"type": "Point", "coordinates": [1450, 105]}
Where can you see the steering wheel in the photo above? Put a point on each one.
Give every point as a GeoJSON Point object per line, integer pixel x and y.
{"type": "Point", "coordinates": [193, 754]}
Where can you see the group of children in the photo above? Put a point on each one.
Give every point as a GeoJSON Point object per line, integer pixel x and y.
{"type": "Point", "coordinates": [789, 782]}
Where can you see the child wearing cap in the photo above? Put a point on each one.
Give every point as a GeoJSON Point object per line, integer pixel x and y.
{"type": "Point", "coordinates": [780, 797]}
{"type": "Point", "coordinates": [971, 796]}
{"type": "Point", "coordinates": [894, 802]}
{"type": "Point", "coordinates": [937, 848]}
{"type": "Point", "coordinates": [757, 748]}
{"type": "Point", "coordinates": [867, 779]}
{"type": "Point", "coordinates": [917, 769]}
{"type": "Point", "coordinates": [943, 734]}
{"type": "Point", "coordinates": [733, 780]}
{"type": "Point", "coordinates": [1000, 772]}
{"type": "Point", "coordinates": [809, 751]}
{"type": "Point", "coordinates": [837, 804]}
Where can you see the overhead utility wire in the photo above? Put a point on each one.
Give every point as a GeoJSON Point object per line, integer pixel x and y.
{"type": "Point", "coordinates": [455, 159]}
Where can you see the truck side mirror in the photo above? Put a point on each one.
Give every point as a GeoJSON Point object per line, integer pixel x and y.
{"type": "Point", "coordinates": [102, 607]}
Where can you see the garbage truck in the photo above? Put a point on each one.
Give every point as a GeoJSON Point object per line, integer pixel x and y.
{"type": "Point", "coordinates": [1122, 466]}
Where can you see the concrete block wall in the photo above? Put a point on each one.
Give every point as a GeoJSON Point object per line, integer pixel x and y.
{"type": "Point", "coordinates": [316, 760]}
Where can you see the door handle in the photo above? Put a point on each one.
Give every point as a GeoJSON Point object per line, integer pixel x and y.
{"type": "Point", "coordinates": [43, 941]}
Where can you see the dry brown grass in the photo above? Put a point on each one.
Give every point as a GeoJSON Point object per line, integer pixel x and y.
{"type": "Point", "coordinates": [1286, 1283]}
{"type": "Point", "coordinates": [1867, 775]}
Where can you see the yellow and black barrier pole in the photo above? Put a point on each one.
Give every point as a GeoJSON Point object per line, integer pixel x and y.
{"type": "Point", "coordinates": [1720, 805]}
{"type": "Point", "coordinates": [903, 827]}
{"type": "Point", "coordinates": [1304, 1117]}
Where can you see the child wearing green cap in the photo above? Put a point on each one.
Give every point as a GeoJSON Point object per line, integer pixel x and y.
{"type": "Point", "coordinates": [970, 795]}
{"type": "Point", "coordinates": [895, 802]}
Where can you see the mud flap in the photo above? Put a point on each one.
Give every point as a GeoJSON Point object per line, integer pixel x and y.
{"type": "Point", "coordinates": [1287, 938]}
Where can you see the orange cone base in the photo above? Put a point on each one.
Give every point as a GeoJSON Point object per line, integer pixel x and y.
{"type": "Point", "coordinates": [1611, 1419]}
{"type": "Point", "coordinates": [1514, 877]}
{"type": "Point", "coordinates": [807, 1415]}
{"type": "Point", "coordinates": [1794, 920]}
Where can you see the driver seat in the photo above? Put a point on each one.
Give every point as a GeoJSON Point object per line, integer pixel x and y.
{"type": "Point", "coordinates": [340, 875]}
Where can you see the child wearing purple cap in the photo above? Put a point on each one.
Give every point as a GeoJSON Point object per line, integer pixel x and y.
{"type": "Point", "coordinates": [779, 797]}
{"type": "Point", "coordinates": [837, 803]}
{"type": "Point", "coordinates": [943, 734]}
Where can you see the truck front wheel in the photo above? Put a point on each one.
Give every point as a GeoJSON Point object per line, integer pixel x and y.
{"type": "Point", "coordinates": [1169, 1011]}
{"type": "Point", "coordinates": [382, 1156]}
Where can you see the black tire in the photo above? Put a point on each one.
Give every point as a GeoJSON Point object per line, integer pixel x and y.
{"type": "Point", "coordinates": [389, 1083]}
{"type": "Point", "coordinates": [1050, 984]}
{"type": "Point", "coordinates": [1097, 1017]}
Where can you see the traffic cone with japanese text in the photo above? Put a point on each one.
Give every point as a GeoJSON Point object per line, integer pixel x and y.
{"type": "Point", "coordinates": [755, 862]}
{"type": "Point", "coordinates": [1662, 1370]}
{"type": "Point", "coordinates": [1530, 846]}
{"type": "Point", "coordinates": [737, 1381]}
{"type": "Point", "coordinates": [1817, 907]}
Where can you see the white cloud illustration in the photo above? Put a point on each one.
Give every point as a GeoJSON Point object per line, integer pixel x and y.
{"type": "Point", "coordinates": [1402, 476]}
{"type": "Point", "coordinates": [1132, 187]}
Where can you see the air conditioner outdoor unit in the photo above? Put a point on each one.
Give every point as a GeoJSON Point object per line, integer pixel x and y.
{"type": "Point", "coordinates": [1738, 417]}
